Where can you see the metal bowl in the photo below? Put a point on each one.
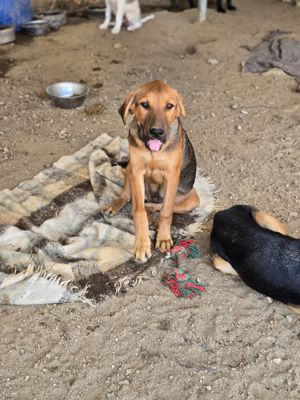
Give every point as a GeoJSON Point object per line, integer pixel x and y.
{"type": "Point", "coordinates": [94, 12]}
{"type": "Point", "coordinates": [67, 94]}
{"type": "Point", "coordinates": [7, 34]}
{"type": "Point", "coordinates": [36, 27]}
{"type": "Point", "coordinates": [56, 18]}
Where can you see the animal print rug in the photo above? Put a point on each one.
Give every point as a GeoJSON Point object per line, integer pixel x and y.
{"type": "Point", "coordinates": [57, 246]}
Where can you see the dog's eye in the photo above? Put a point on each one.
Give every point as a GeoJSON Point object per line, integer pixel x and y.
{"type": "Point", "coordinates": [170, 106]}
{"type": "Point", "coordinates": [145, 105]}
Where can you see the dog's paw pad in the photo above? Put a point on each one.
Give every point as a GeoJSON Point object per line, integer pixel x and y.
{"type": "Point", "coordinates": [164, 245]}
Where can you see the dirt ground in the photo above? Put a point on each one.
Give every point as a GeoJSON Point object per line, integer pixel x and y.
{"type": "Point", "coordinates": [232, 343]}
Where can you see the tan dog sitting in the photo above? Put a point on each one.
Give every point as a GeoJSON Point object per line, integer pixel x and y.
{"type": "Point", "coordinates": [162, 163]}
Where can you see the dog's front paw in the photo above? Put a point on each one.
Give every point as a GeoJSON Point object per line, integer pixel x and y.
{"type": "Point", "coordinates": [115, 30]}
{"type": "Point", "coordinates": [164, 242]}
{"type": "Point", "coordinates": [142, 249]}
{"type": "Point", "coordinates": [104, 26]}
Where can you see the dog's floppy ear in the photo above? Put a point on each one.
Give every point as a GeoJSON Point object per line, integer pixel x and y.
{"type": "Point", "coordinates": [128, 106]}
{"type": "Point", "coordinates": [180, 110]}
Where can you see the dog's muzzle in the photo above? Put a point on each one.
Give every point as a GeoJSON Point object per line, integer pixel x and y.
{"type": "Point", "coordinates": [156, 139]}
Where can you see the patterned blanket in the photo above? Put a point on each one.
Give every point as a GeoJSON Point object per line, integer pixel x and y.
{"type": "Point", "coordinates": [57, 246]}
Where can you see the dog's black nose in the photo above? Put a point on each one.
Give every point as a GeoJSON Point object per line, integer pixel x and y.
{"type": "Point", "coordinates": [156, 132]}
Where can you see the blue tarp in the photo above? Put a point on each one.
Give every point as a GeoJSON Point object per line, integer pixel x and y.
{"type": "Point", "coordinates": [15, 12]}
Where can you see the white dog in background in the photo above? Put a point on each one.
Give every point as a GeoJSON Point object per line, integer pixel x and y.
{"type": "Point", "coordinates": [124, 9]}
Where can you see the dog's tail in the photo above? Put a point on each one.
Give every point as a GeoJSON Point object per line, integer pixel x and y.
{"type": "Point", "coordinates": [147, 18]}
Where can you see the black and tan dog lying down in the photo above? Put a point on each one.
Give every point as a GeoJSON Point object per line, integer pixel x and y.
{"type": "Point", "coordinates": [252, 244]}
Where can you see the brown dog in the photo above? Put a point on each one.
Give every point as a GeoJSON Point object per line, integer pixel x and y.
{"type": "Point", "coordinates": [162, 163]}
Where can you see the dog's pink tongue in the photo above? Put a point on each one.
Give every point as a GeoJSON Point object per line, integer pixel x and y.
{"type": "Point", "coordinates": [154, 144]}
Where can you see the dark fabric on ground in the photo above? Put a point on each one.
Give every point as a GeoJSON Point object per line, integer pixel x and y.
{"type": "Point", "coordinates": [274, 52]}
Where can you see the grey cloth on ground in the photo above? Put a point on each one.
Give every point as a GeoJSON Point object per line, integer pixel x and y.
{"type": "Point", "coordinates": [275, 52]}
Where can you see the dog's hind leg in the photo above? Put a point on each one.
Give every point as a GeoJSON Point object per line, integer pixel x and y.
{"type": "Point", "coordinates": [134, 26]}
{"type": "Point", "coordinates": [124, 197]}
{"type": "Point", "coordinates": [223, 266]}
{"type": "Point", "coordinates": [186, 202]}
{"type": "Point", "coordinates": [183, 203]}
{"type": "Point", "coordinates": [267, 221]}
